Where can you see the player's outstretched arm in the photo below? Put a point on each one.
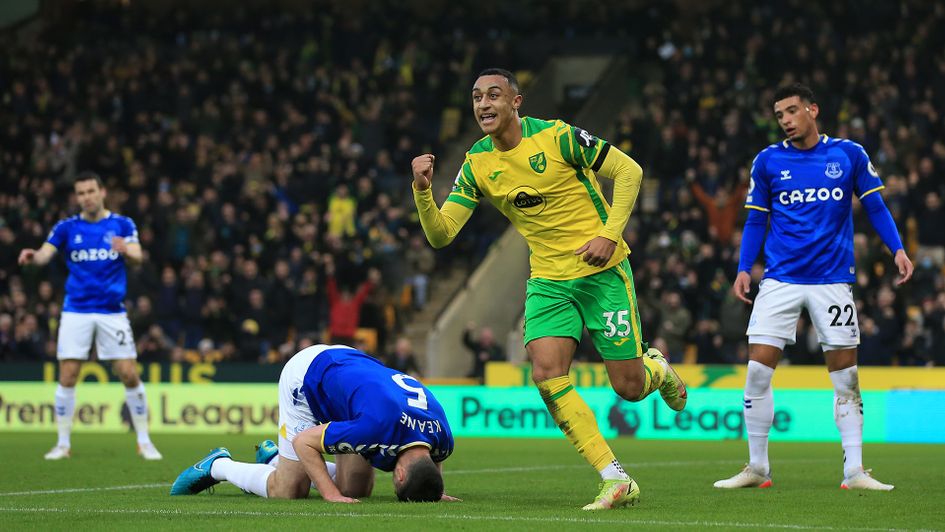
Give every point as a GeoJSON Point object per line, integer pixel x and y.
{"type": "Point", "coordinates": [440, 225]}
{"type": "Point", "coordinates": [308, 445]}
{"type": "Point", "coordinates": [39, 257]}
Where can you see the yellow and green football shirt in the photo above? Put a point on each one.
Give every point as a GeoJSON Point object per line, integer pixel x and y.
{"type": "Point", "coordinates": [546, 187]}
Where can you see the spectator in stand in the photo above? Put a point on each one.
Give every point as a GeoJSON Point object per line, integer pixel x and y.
{"type": "Point", "coordinates": [8, 350]}
{"type": "Point", "coordinates": [403, 359]}
{"type": "Point", "coordinates": [420, 263]}
{"type": "Point", "coordinates": [484, 349]}
{"type": "Point", "coordinates": [675, 321]}
{"type": "Point", "coordinates": [345, 307]}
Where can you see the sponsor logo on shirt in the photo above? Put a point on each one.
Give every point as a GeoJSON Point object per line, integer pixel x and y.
{"type": "Point", "coordinates": [810, 195]}
{"type": "Point", "coordinates": [93, 255]}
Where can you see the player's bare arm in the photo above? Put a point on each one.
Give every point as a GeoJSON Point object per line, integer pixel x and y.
{"type": "Point", "coordinates": [308, 445]}
{"type": "Point", "coordinates": [131, 251]}
{"type": "Point", "coordinates": [39, 257]}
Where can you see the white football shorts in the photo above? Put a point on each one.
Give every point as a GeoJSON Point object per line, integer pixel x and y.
{"type": "Point", "coordinates": [831, 307]}
{"type": "Point", "coordinates": [294, 413]}
{"type": "Point", "coordinates": [112, 334]}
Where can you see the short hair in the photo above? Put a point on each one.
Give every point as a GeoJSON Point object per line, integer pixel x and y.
{"type": "Point", "coordinates": [88, 175]}
{"type": "Point", "coordinates": [423, 482]}
{"type": "Point", "coordinates": [510, 77]}
{"type": "Point", "coordinates": [794, 89]}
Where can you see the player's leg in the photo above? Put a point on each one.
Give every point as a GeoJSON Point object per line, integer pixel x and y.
{"type": "Point", "coordinates": [73, 346]}
{"type": "Point", "coordinates": [607, 303]}
{"type": "Point", "coordinates": [773, 324]}
{"type": "Point", "coordinates": [833, 314]}
{"type": "Point", "coordinates": [354, 475]}
{"type": "Point", "coordinates": [552, 329]}
{"type": "Point", "coordinates": [267, 452]}
{"type": "Point", "coordinates": [114, 342]}
{"type": "Point", "coordinates": [65, 408]}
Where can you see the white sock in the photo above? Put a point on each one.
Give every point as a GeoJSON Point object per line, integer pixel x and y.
{"type": "Point", "coordinates": [759, 413]}
{"type": "Point", "coordinates": [332, 468]}
{"type": "Point", "coordinates": [65, 408]}
{"type": "Point", "coordinates": [251, 478]}
{"type": "Point", "coordinates": [138, 407]}
{"type": "Point", "coordinates": [614, 471]}
{"type": "Point", "coordinates": [848, 414]}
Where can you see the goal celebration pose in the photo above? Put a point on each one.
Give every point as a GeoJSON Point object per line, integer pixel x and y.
{"type": "Point", "coordinates": [541, 175]}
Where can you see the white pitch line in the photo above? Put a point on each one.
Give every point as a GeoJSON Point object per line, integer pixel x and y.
{"type": "Point", "coordinates": [494, 470]}
{"type": "Point", "coordinates": [81, 490]}
{"type": "Point", "coordinates": [446, 517]}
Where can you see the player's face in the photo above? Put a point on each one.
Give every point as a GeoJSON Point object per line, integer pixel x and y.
{"type": "Point", "coordinates": [90, 196]}
{"type": "Point", "coordinates": [796, 117]}
{"type": "Point", "coordinates": [495, 104]}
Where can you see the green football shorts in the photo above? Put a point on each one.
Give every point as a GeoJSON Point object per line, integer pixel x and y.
{"type": "Point", "coordinates": [606, 303]}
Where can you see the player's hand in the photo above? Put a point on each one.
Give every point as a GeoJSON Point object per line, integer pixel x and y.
{"type": "Point", "coordinates": [598, 251]}
{"type": "Point", "coordinates": [423, 171]}
{"type": "Point", "coordinates": [119, 245]}
{"type": "Point", "coordinates": [742, 286]}
{"type": "Point", "coordinates": [905, 267]}
{"type": "Point", "coordinates": [26, 256]}
{"type": "Point", "coordinates": [447, 498]}
{"type": "Point", "coordinates": [341, 499]}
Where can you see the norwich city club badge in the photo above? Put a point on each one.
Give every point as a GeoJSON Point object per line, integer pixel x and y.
{"type": "Point", "coordinates": [538, 162]}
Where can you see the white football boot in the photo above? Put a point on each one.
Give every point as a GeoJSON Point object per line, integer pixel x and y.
{"type": "Point", "coordinates": [149, 452]}
{"type": "Point", "coordinates": [862, 480]}
{"type": "Point", "coordinates": [746, 478]}
{"type": "Point", "coordinates": [58, 453]}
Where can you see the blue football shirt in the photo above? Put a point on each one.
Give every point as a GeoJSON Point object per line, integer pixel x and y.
{"type": "Point", "coordinates": [373, 410]}
{"type": "Point", "coordinates": [97, 278]}
{"type": "Point", "coordinates": [809, 194]}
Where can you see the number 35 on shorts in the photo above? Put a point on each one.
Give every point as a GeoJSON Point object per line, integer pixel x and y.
{"type": "Point", "coordinates": [617, 324]}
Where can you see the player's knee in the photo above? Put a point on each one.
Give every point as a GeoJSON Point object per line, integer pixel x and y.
{"type": "Point", "coordinates": [287, 490]}
{"type": "Point", "coordinates": [629, 390]}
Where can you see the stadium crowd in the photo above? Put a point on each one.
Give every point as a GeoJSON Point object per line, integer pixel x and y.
{"type": "Point", "coordinates": [264, 158]}
{"type": "Point", "coordinates": [878, 71]}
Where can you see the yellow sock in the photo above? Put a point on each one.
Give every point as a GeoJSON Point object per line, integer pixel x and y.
{"type": "Point", "coordinates": [576, 420]}
{"type": "Point", "coordinates": [655, 375]}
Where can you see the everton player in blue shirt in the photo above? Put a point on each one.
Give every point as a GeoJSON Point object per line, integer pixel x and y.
{"type": "Point", "coordinates": [338, 400]}
{"type": "Point", "coordinates": [804, 186]}
{"type": "Point", "coordinates": [96, 245]}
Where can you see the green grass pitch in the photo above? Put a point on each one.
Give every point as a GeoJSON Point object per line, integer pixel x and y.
{"type": "Point", "coordinates": [506, 485]}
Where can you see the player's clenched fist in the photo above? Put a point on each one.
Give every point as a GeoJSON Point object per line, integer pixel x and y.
{"type": "Point", "coordinates": [26, 256]}
{"type": "Point", "coordinates": [423, 171]}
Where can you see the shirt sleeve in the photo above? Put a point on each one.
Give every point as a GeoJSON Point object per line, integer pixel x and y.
{"type": "Point", "coordinates": [58, 235]}
{"type": "Point", "coordinates": [866, 179]}
{"type": "Point", "coordinates": [129, 231]}
{"type": "Point", "coordinates": [349, 437]}
{"type": "Point", "coordinates": [465, 189]}
{"type": "Point", "coordinates": [759, 190]}
{"type": "Point", "coordinates": [580, 148]}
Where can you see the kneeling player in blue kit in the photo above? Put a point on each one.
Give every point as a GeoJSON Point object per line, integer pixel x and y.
{"type": "Point", "coordinates": [338, 400]}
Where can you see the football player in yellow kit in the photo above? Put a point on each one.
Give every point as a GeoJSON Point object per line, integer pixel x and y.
{"type": "Point", "coordinates": [541, 175]}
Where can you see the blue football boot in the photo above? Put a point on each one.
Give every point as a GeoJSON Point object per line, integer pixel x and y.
{"type": "Point", "coordinates": [266, 450]}
{"type": "Point", "coordinates": [196, 478]}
